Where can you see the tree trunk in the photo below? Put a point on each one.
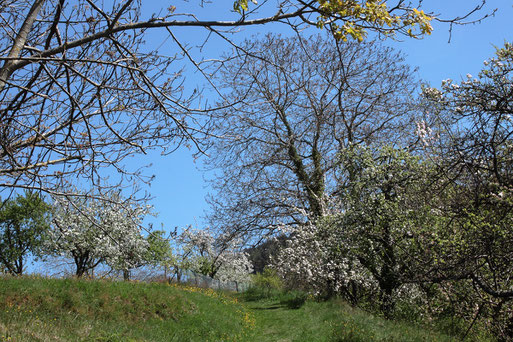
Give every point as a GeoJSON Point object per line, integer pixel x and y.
{"type": "Point", "coordinates": [80, 271]}
{"type": "Point", "coordinates": [387, 302]}
{"type": "Point", "coordinates": [19, 42]}
{"type": "Point", "coordinates": [19, 266]}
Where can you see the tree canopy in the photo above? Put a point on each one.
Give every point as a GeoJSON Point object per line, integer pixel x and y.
{"type": "Point", "coordinates": [24, 225]}
{"type": "Point", "coordinates": [91, 232]}
{"type": "Point", "coordinates": [80, 89]}
{"type": "Point", "coordinates": [298, 102]}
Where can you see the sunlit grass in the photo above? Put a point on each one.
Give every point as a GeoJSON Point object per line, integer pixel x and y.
{"type": "Point", "coordinates": [41, 309]}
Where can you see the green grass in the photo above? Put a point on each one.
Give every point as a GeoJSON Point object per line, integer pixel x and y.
{"type": "Point", "coordinates": [331, 321]}
{"type": "Point", "coordinates": [39, 309]}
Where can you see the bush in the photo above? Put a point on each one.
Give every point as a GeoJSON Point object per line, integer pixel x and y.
{"type": "Point", "coordinates": [265, 285]}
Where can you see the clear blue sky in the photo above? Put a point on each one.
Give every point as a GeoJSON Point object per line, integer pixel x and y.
{"type": "Point", "coordinates": [179, 189]}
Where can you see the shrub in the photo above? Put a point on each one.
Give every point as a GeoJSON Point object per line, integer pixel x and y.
{"type": "Point", "coordinates": [268, 280]}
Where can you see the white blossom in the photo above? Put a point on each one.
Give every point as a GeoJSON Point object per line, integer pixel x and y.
{"type": "Point", "coordinates": [312, 262]}
{"type": "Point", "coordinates": [432, 93]}
{"type": "Point", "coordinates": [424, 132]}
{"type": "Point", "coordinates": [96, 232]}
{"type": "Point", "coordinates": [221, 257]}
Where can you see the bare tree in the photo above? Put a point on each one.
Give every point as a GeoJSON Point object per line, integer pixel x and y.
{"type": "Point", "coordinates": [300, 102]}
{"type": "Point", "coordinates": [77, 97]}
{"type": "Point", "coordinates": [80, 90]}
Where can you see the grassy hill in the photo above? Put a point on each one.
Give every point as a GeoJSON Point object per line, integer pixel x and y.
{"type": "Point", "coordinates": [40, 309]}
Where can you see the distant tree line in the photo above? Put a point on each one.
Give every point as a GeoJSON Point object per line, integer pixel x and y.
{"type": "Point", "coordinates": [89, 233]}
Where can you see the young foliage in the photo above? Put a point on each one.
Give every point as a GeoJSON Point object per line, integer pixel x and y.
{"type": "Point", "coordinates": [354, 18]}
{"type": "Point", "coordinates": [359, 16]}
{"type": "Point", "coordinates": [24, 223]}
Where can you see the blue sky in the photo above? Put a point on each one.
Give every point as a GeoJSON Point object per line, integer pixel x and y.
{"type": "Point", "coordinates": [179, 188]}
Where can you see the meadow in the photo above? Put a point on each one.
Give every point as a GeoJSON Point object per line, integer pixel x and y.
{"type": "Point", "coordinates": [44, 309]}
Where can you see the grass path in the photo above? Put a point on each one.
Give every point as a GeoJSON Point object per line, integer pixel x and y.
{"type": "Point", "coordinates": [331, 321]}
{"type": "Point", "coordinates": [277, 322]}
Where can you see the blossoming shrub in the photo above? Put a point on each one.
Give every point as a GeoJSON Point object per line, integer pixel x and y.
{"type": "Point", "coordinates": [315, 261]}
{"type": "Point", "coordinates": [376, 240]}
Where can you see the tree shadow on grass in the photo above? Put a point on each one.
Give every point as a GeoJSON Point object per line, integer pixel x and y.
{"type": "Point", "coordinates": [290, 303]}
{"type": "Point", "coordinates": [270, 307]}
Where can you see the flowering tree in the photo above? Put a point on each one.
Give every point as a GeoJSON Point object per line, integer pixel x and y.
{"type": "Point", "coordinates": [93, 232]}
{"type": "Point", "coordinates": [379, 237]}
{"type": "Point", "coordinates": [389, 215]}
{"type": "Point", "coordinates": [217, 258]}
{"type": "Point", "coordinates": [233, 266]}
{"type": "Point", "coordinates": [315, 260]}
{"type": "Point", "coordinates": [471, 139]}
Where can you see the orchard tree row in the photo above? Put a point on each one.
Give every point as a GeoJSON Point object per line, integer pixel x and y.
{"type": "Point", "coordinates": [89, 233]}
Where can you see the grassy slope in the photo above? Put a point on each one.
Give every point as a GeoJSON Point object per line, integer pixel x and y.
{"type": "Point", "coordinates": [70, 310]}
